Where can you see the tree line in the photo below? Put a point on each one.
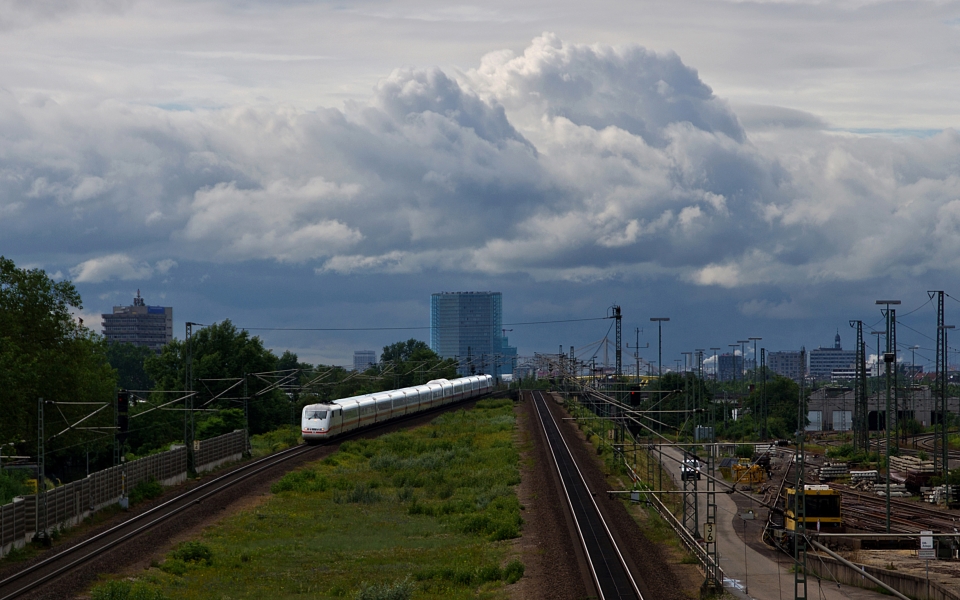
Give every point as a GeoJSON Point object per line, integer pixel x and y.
{"type": "Point", "coordinates": [236, 381]}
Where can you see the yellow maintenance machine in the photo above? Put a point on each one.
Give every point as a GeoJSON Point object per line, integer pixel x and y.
{"type": "Point", "coordinates": [821, 510]}
{"type": "Point", "coordinates": [746, 471]}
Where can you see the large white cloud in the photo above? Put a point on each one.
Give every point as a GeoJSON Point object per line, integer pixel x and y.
{"type": "Point", "coordinates": [564, 162]}
{"type": "Point", "coordinates": [118, 266]}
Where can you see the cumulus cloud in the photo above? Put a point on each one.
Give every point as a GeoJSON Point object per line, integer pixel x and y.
{"type": "Point", "coordinates": [566, 162]}
{"type": "Point", "coordinates": [117, 266]}
{"type": "Point", "coordinates": [284, 221]}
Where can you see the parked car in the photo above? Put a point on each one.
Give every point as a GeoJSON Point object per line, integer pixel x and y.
{"type": "Point", "coordinates": [690, 469]}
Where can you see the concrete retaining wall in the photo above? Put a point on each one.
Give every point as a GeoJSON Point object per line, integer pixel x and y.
{"type": "Point", "coordinates": [913, 586]}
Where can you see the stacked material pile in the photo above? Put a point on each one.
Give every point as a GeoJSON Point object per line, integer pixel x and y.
{"type": "Point", "coordinates": [908, 464]}
{"type": "Point", "coordinates": [897, 490]}
{"type": "Point", "coordinates": [834, 470]}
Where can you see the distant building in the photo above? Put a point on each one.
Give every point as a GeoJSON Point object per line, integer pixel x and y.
{"type": "Point", "coordinates": [730, 367]}
{"type": "Point", "coordinates": [364, 359]}
{"type": "Point", "coordinates": [831, 408]}
{"type": "Point", "coordinates": [787, 364]}
{"type": "Point", "coordinates": [468, 326]}
{"type": "Point", "coordinates": [824, 361]}
{"type": "Point", "coordinates": [140, 325]}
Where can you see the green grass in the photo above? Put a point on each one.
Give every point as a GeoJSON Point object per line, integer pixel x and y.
{"type": "Point", "coordinates": [414, 514]}
{"type": "Point", "coordinates": [275, 441]}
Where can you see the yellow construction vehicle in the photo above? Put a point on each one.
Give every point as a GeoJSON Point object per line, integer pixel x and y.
{"type": "Point", "coordinates": [746, 471]}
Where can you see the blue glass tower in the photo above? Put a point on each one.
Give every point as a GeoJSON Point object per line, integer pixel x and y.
{"type": "Point", "coordinates": [468, 326]}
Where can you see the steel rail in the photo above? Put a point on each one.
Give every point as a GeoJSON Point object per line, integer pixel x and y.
{"type": "Point", "coordinates": [611, 580]}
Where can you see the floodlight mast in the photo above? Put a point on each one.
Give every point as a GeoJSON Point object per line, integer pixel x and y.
{"type": "Point", "coordinates": [659, 321]}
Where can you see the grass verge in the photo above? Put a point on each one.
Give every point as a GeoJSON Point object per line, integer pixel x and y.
{"type": "Point", "coordinates": [423, 513]}
{"type": "Point", "coordinates": [279, 439]}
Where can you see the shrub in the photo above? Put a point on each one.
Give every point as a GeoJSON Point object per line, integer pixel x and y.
{"type": "Point", "coordinates": [513, 571]}
{"type": "Point", "coordinates": [195, 552]}
{"type": "Point", "coordinates": [174, 567]}
{"type": "Point", "coordinates": [145, 490]}
{"type": "Point", "coordinates": [303, 481]}
{"type": "Point", "coordinates": [844, 451]}
{"type": "Point", "coordinates": [361, 493]}
{"type": "Point", "coordinates": [285, 437]}
{"type": "Point", "coordinates": [12, 483]}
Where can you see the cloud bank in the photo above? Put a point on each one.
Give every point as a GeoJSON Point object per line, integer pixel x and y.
{"type": "Point", "coordinates": [567, 162]}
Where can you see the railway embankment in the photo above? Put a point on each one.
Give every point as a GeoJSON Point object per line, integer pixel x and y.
{"type": "Point", "coordinates": [431, 508]}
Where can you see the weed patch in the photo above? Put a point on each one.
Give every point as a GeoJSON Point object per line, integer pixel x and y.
{"type": "Point", "coordinates": [402, 590]}
{"type": "Point", "coordinates": [285, 437]}
{"type": "Point", "coordinates": [145, 490]}
{"type": "Point", "coordinates": [413, 513]}
{"type": "Point", "coordinates": [126, 590]}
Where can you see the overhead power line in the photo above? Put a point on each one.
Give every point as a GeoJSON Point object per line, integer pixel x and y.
{"type": "Point", "coordinates": [412, 328]}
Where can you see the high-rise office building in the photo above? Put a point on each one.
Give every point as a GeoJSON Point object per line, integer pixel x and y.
{"type": "Point", "coordinates": [824, 361]}
{"type": "Point", "coordinates": [730, 367]}
{"type": "Point", "coordinates": [139, 324]}
{"type": "Point", "coordinates": [364, 359]}
{"type": "Point", "coordinates": [786, 363]}
{"type": "Point", "coordinates": [468, 326]}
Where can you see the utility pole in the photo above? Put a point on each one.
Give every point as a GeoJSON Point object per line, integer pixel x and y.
{"type": "Point", "coordinates": [755, 340]}
{"type": "Point", "coordinates": [943, 396]}
{"type": "Point", "coordinates": [188, 384]}
{"type": "Point", "coordinates": [41, 527]}
{"type": "Point", "coordinates": [616, 315]}
{"type": "Point", "coordinates": [763, 394]}
{"type": "Point", "coordinates": [716, 381]}
{"type": "Point", "coordinates": [800, 510]}
{"type": "Point", "coordinates": [940, 437]}
{"type": "Point", "coordinates": [888, 357]}
{"type": "Point", "coordinates": [659, 321]}
{"type": "Point", "coordinates": [698, 390]}
{"type": "Point", "coordinates": [636, 352]}
{"type": "Point", "coordinates": [877, 385]}
{"type": "Point", "coordinates": [743, 363]}
{"type": "Point", "coordinates": [733, 348]}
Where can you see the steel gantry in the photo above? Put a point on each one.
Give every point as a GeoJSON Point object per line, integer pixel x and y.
{"type": "Point", "coordinates": [940, 447]}
{"type": "Point", "coordinates": [861, 432]}
{"type": "Point", "coordinates": [889, 357]}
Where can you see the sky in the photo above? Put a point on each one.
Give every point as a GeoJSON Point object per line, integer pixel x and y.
{"type": "Point", "coordinates": [748, 169]}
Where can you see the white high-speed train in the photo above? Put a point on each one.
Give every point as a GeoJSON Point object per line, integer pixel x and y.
{"type": "Point", "coordinates": [322, 421]}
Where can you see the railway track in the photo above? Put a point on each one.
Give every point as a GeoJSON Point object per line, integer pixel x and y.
{"type": "Point", "coordinates": [72, 557]}
{"type": "Point", "coordinates": [34, 578]}
{"type": "Point", "coordinates": [611, 575]}
{"type": "Point", "coordinates": [868, 512]}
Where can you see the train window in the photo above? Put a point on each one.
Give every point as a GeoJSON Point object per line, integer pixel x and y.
{"type": "Point", "coordinates": [317, 414]}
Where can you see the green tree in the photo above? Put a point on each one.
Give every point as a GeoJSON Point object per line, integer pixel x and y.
{"type": "Point", "coordinates": [412, 349]}
{"type": "Point", "coordinates": [782, 397]}
{"type": "Point", "coordinates": [413, 363]}
{"type": "Point", "coordinates": [45, 354]}
{"type": "Point", "coordinates": [128, 360]}
{"type": "Point", "coordinates": [221, 356]}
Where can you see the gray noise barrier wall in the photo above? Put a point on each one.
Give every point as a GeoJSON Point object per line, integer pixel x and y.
{"type": "Point", "coordinates": [69, 504]}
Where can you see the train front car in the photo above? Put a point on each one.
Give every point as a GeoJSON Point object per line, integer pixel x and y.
{"type": "Point", "coordinates": [315, 422]}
